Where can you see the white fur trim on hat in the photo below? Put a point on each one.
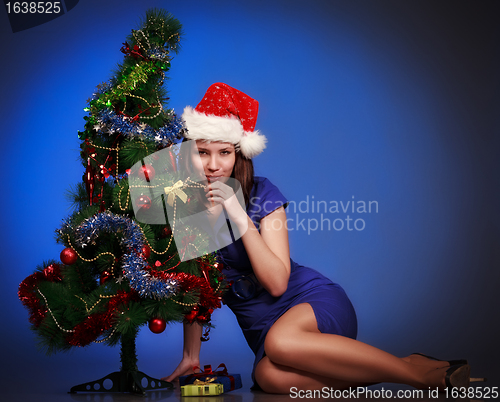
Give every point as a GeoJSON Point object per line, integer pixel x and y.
{"type": "Point", "coordinates": [211, 128]}
{"type": "Point", "coordinates": [225, 129]}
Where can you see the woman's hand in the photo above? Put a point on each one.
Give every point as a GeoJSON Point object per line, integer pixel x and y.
{"type": "Point", "coordinates": [219, 193]}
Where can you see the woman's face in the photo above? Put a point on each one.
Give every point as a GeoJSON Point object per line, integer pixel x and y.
{"type": "Point", "coordinates": [216, 158]}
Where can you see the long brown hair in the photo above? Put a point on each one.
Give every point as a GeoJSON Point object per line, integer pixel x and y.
{"type": "Point", "coordinates": [243, 172]}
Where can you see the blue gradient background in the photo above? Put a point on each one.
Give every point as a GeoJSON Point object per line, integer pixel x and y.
{"type": "Point", "coordinates": [392, 101]}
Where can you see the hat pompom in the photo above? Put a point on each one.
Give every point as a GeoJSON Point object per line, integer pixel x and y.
{"type": "Point", "coordinates": [252, 143]}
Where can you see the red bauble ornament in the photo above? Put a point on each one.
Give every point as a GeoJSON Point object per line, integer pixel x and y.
{"type": "Point", "coordinates": [68, 256]}
{"type": "Point", "coordinates": [146, 251]}
{"type": "Point", "coordinates": [157, 325]}
{"type": "Point", "coordinates": [143, 202]}
{"type": "Point", "coordinates": [146, 172]}
{"type": "Point", "coordinates": [166, 232]}
{"type": "Point", "coordinates": [104, 277]}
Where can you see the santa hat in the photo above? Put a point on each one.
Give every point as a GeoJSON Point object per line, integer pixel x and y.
{"type": "Point", "coordinates": [227, 115]}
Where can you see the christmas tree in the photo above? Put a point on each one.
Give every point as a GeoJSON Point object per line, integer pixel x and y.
{"type": "Point", "coordinates": [117, 273]}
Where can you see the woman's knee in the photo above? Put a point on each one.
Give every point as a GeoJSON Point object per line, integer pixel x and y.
{"type": "Point", "coordinates": [278, 345]}
{"type": "Point", "coordinates": [285, 336]}
{"type": "Point", "coordinates": [269, 378]}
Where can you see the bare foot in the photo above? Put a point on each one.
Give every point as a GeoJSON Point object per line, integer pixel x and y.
{"type": "Point", "coordinates": [185, 367]}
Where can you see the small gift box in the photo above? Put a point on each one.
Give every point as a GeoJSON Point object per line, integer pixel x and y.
{"type": "Point", "coordinates": [229, 382]}
{"type": "Point", "coordinates": [201, 388]}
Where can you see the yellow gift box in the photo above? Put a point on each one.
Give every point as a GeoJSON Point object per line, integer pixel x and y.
{"type": "Point", "coordinates": [205, 389]}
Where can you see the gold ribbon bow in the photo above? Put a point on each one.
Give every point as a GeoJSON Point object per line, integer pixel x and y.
{"type": "Point", "coordinates": [207, 381]}
{"type": "Point", "coordinates": [175, 190]}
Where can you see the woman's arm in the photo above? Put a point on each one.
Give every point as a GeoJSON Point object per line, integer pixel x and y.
{"type": "Point", "coordinates": [191, 351]}
{"type": "Point", "coordinates": [268, 250]}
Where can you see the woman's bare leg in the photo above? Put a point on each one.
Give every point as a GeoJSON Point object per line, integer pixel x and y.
{"type": "Point", "coordinates": [277, 379]}
{"type": "Point", "coordinates": [295, 342]}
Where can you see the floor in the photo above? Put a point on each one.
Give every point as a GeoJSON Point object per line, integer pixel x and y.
{"type": "Point", "coordinates": [28, 379]}
{"type": "Point", "coordinates": [378, 392]}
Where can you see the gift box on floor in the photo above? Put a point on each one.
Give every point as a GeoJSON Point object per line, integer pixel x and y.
{"type": "Point", "coordinates": [229, 382]}
{"type": "Point", "coordinates": [205, 389]}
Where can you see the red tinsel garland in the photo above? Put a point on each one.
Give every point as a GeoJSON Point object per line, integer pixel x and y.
{"type": "Point", "coordinates": [96, 324]}
{"type": "Point", "coordinates": [28, 292]}
{"type": "Point", "coordinates": [83, 333]}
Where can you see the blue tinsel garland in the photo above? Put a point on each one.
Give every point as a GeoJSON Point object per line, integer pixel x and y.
{"type": "Point", "coordinates": [133, 263]}
{"type": "Point", "coordinates": [114, 122]}
{"type": "Point", "coordinates": [165, 135]}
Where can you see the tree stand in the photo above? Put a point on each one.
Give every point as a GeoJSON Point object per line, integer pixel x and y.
{"type": "Point", "coordinates": [128, 379]}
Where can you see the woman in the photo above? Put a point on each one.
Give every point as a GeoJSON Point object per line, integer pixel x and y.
{"type": "Point", "coordinates": [300, 325]}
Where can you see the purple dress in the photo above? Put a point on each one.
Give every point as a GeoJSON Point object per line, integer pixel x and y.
{"type": "Point", "coordinates": [255, 309]}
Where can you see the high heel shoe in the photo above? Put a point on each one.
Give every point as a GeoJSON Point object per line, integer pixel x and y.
{"type": "Point", "coordinates": [459, 376]}
{"type": "Point", "coordinates": [459, 362]}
